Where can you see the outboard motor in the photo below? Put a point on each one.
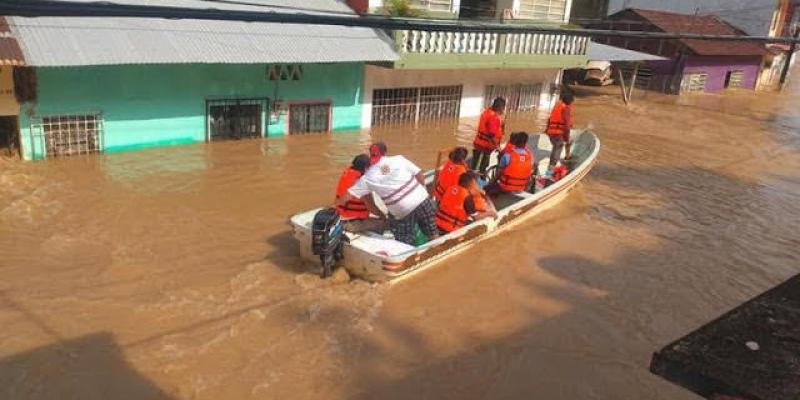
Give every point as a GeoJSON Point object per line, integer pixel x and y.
{"type": "Point", "coordinates": [327, 239]}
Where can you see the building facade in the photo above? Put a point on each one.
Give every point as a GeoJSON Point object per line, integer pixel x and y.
{"type": "Point", "coordinates": [128, 83]}
{"type": "Point", "coordinates": [457, 74]}
{"type": "Point", "coordinates": [773, 18]}
{"type": "Point", "coordinates": [691, 65]}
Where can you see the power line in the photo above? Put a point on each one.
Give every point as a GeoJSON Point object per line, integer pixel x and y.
{"type": "Point", "coordinates": [49, 8]}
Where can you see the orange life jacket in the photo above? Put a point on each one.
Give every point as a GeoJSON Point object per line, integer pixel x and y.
{"type": "Point", "coordinates": [448, 176]}
{"type": "Point", "coordinates": [478, 199]}
{"type": "Point", "coordinates": [451, 214]}
{"type": "Point", "coordinates": [353, 209]}
{"type": "Point", "coordinates": [486, 140]}
{"type": "Point", "coordinates": [518, 172]}
{"type": "Point", "coordinates": [556, 125]}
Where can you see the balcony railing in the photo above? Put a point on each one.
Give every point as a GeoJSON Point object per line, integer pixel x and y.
{"type": "Point", "coordinates": [425, 42]}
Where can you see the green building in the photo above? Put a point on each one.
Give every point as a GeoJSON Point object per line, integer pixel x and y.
{"type": "Point", "coordinates": [112, 84]}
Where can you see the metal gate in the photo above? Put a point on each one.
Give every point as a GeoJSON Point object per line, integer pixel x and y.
{"type": "Point", "coordinates": [412, 105]}
{"type": "Point", "coordinates": [235, 118]}
{"type": "Point", "coordinates": [66, 135]}
{"type": "Point", "coordinates": [309, 118]}
{"type": "Point", "coordinates": [519, 98]}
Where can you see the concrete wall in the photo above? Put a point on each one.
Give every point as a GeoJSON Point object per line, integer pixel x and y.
{"type": "Point", "coordinates": [752, 16]}
{"type": "Point", "coordinates": [155, 105]}
{"type": "Point", "coordinates": [474, 83]}
{"type": "Point", "coordinates": [8, 104]}
{"type": "Point", "coordinates": [718, 67]}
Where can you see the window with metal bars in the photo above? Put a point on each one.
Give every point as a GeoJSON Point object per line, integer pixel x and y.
{"type": "Point", "coordinates": [235, 118]}
{"type": "Point", "coordinates": [519, 97]}
{"type": "Point", "coordinates": [735, 79]}
{"type": "Point", "coordinates": [694, 82]}
{"type": "Point", "coordinates": [309, 118]}
{"type": "Point", "coordinates": [67, 135]}
{"type": "Point", "coordinates": [545, 10]}
{"type": "Point", "coordinates": [412, 105]}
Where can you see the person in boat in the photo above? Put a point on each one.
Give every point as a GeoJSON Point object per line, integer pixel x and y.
{"type": "Point", "coordinates": [401, 186]}
{"type": "Point", "coordinates": [356, 213]}
{"type": "Point", "coordinates": [460, 205]}
{"type": "Point", "coordinates": [515, 168]}
{"type": "Point", "coordinates": [489, 136]}
{"type": "Point", "coordinates": [452, 169]}
{"type": "Point", "coordinates": [558, 128]}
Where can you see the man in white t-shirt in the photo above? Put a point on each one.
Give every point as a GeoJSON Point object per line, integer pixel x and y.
{"type": "Point", "coordinates": [401, 186]}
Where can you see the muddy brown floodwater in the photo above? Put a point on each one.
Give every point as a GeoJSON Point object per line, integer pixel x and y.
{"type": "Point", "coordinates": [172, 274]}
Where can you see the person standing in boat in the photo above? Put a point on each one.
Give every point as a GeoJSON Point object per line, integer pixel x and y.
{"type": "Point", "coordinates": [356, 213]}
{"type": "Point", "coordinates": [515, 168]}
{"type": "Point", "coordinates": [401, 186]}
{"type": "Point", "coordinates": [460, 205]}
{"type": "Point", "coordinates": [558, 128]}
{"type": "Point", "coordinates": [489, 136]}
{"type": "Point", "coordinates": [452, 169]}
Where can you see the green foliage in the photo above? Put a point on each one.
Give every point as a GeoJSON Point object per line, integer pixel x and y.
{"type": "Point", "coordinates": [401, 8]}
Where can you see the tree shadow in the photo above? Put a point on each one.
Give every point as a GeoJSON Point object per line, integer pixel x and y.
{"type": "Point", "coordinates": [88, 367]}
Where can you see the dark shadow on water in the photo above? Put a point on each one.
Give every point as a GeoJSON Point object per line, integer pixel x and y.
{"type": "Point", "coordinates": [91, 367]}
{"type": "Point", "coordinates": [600, 347]}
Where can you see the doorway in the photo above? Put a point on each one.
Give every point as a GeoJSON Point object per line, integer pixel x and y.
{"type": "Point", "coordinates": [235, 119]}
{"type": "Point", "coordinates": [9, 136]}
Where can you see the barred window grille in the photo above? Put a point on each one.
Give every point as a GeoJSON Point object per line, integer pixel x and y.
{"type": "Point", "coordinates": [67, 135]}
{"type": "Point", "coordinates": [235, 118]}
{"type": "Point", "coordinates": [736, 79]}
{"type": "Point", "coordinates": [545, 10]}
{"type": "Point", "coordinates": [519, 97]}
{"type": "Point", "coordinates": [694, 83]}
{"type": "Point", "coordinates": [412, 105]}
{"type": "Point", "coordinates": [309, 118]}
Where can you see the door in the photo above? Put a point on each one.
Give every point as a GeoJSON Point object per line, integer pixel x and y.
{"type": "Point", "coordinates": [309, 118]}
{"type": "Point", "coordinates": [9, 136]}
{"type": "Point", "coordinates": [235, 119]}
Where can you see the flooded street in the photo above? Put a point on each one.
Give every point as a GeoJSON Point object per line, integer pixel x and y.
{"type": "Point", "coordinates": [171, 273]}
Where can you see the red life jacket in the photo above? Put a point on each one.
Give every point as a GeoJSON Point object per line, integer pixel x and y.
{"type": "Point", "coordinates": [451, 214]}
{"type": "Point", "coordinates": [518, 172]}
{"type": "Point", "coordinates": [556, 125]}
{"type": "Point", "coordinates": [560, 172]}
{"type": "Point", "coordinates": [448, 176]}
{"type": "Point", "coordinates": [353, 209]}
{"type": "Point", "coordinates": [485, 139]}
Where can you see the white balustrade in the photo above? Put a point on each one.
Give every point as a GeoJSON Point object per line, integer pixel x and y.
{"type": "Point", "coordinates": [485, 43]}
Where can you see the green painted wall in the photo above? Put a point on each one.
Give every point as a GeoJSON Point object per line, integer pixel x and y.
{"type": "Point", "coordinates": [154, 105]}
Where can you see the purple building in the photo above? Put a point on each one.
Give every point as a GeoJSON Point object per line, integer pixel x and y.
{"type": "Point", "coordinates": [692, 65]}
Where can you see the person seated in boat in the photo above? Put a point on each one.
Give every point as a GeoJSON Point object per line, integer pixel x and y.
{"type": "Point", "coordinates": [401, 186]}
{"type": "Point", "coordinates": [452, 169]}
{"type": "Point", "coordinates": [460, 205]}
{"type": "Point", "coordinates": [356, 213]}
{"type": "Point", "coordinates": [514, 169]}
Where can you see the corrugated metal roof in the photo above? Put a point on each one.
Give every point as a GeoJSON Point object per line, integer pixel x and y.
{"type": "Point", "coordinates": [10, 52]}
{"type": "Point", "coordinates": [604, 52]}
{"type": "Point", "coordinates": [75, 41]}
{"type": "Point", "coordinates": [702, 24]}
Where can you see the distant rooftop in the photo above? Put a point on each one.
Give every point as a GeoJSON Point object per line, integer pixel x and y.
{"type": "Point", "coordinates": [700, 24]}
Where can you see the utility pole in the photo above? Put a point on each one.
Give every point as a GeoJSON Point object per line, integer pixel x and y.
{"type": "Point", "coordinates": [788, 62]}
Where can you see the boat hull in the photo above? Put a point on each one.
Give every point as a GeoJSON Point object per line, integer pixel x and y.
{"type": "Point", "coordinates": [364, 263]}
